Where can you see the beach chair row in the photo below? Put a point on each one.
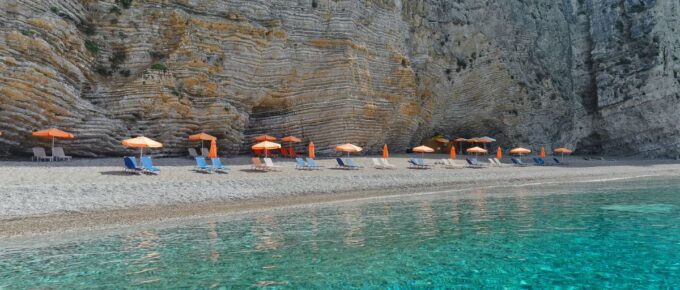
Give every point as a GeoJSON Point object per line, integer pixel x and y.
{"type": "Point", "coordinates": [39, 154]}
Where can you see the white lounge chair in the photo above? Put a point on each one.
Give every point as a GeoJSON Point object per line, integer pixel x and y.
{"type": "Point", "coordinates": [40, 155]}
{"type": "Point", "coordinates": [386, 163]}
{"type": "Point", "coordinates": [58, 154]}
{"type": "Point", "coordinates": [257, 164]}
{"type": "Point", "coordinates": [499, 163]}
{"type": "Point", "coordinates": [192, 152]}
{"type": "Point", "coordinates": [205, 152]}
{"type": "Point", "coordinates": [451, 164]}
{"type": "Point", "coordinates": [377, 164]}
{"type": "Point", "coordinates": [270, 164]}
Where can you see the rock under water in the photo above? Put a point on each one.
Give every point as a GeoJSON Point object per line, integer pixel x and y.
{"type": "Point", "coordinates": [641, 208]}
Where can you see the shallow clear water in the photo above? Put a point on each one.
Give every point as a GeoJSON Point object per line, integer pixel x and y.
{"type": "Point", "coordinates": [598, 235]}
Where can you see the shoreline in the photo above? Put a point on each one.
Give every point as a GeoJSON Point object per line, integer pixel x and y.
{"type": "Point", "coordinates": [261, 199]}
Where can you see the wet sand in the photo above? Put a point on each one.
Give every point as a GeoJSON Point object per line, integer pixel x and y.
{"type": "Point", "coordinates": [86, 194]}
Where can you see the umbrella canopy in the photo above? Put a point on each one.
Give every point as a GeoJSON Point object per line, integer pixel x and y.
{"type": "Point", "coordinates": [423, 149]}
{"type": "Point", "coordinates": [263, 138]}
{"type": "Point", "coordinates": [542, 152]}
{"type": "Point", "coordinates": [202, 137]}
{"type": "Point", "coordinates": [213, 149]}
{"type": "Point", "coordinates": [476, 150]}
{"type": "Point", "coordinates": [563, 151]}
{"type": "Point", "coordinates": [499, 153]}
{"type": "Point", "coordinates": [520, 151]}
{"type": "Point", "coordinates": [442, 140]}
{"type": "Point", "coordinates": [266, 146]}
{"type": "Point", "coordinates": [53, 133]}
{"type": "Point", "coordinates": [141, 143]}
{"type": "Point", "coordinates": [453, 153]}
{"type": "Point", "coordinates": [349, 148]}
{"type": "Point", "coordinates": [386, 153]}
{"type": "Point", "coordinates": [486, 139]}
{"type": "Point", "coordinates": [291, 139]}
{"type": "Point", "coordinates": [461, 140]}
{"type": "Point", "coordinates": [310, 148]}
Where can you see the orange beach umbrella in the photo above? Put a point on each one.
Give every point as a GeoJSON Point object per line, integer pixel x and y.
{"type": "Point", "coordinates": [542, 152]}
{"type": "Point", "coordinates": [310, 148]}
{"type": "Point", "coordinates": [213, 149]}
{"type": "Point", "coordinates": [476, 150]}
{"type": "Point", "coordinates": [442, 140]}
{"type": "Point", "coordinates": [562, 151]}
{"type": "Point", "coordinates": [266, 146]}
{"type": "Point", "coordinates": [291, 139]}
{"type": "Point", "coordinates": [141, 143]}
{"type": "Point", "coordinates": [499, 153]}
{"type": "Point", "coordinates": [202, 137]}
{"type": "Point", "coordinates": [520, 151]}
{"type": "Point", "coordinates": [53, 133]}
{"type": "Point", "coordinates": [386, 153]}
{"type": "Point", "coordinates": [452, 153]}
{"type": "Point", "coordinates": [263, 138]}
{"type": "Point", "coordinates": [349, 148]}
{"type": "Point", "coordinates": [422, 149]}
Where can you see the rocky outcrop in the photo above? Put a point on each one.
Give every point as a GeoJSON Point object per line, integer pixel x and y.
{"type": "Point", "coordinates": [601, 75]}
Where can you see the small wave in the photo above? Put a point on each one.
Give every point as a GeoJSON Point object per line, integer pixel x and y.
{"type": "Point", "coordinates": [641, 208]}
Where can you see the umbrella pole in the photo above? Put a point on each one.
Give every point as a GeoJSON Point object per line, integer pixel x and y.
{"type": "Point", "coordinates": [141, 152]}
{"type": "Point", "coordinates": [52, 147]}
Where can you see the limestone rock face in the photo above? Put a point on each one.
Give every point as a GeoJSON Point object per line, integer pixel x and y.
{"type": "Point", "coordinates": [601, 75]}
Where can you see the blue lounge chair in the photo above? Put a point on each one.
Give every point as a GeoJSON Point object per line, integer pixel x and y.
{"type": "Point", "coordinates": [557, 161]}
{"type": "Point", "coordinates": [218, 167]}
{"type": "Point", "coordinates": [517, 162]}
{"type": "Point", "coordinates": [301, 164]}
{"type": "Point", "coordinates": [536, 161]}
{"type": "Point", "coordinates": [540, 161]}
{"type": "Point", "coordinates": [131, 165]}
{"type": "Point", "coordinates": [201, 165]}
{"type": "Point", "coordinates": [413, 164]}
{"type": "Point", "coordinates": [350, 163]}
{"type": "Point", "coordinates": [311, 163]}
{"type": "Point", "coordinates": [421, 163]}
{"type": "Point", "coordinates": [147, 165]}
{"type": "Point", "coordinates": [341, 164]}
{"type": "Point", "coordinates": [473, 163]}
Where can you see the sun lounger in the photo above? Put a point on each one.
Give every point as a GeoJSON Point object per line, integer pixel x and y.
{"type": "Point", "coordinates": [386, 163]}
{"type": "Point", "coordinates": [493, 162]}
{"type": "Point", "coordinates": [58, 154]}
{"type": "Point", "coordinates": [192, 152]}
{"type": "Point", "coordinates": [517, 162]}
{"type": "Point", "coordinates": [205, 152]}
{"type": "Point", "coordinates": [539, 161]}
{"type": "Point", "coordinates": [451, 164]}
{"type": "Point", "coordinates": [301, 164]}
{"type": "Point", "coordinates": [311, 163]}
{"type": "Point", "coordinates": [473, 163]}
{"type": "Point", "coordinates": [218, 167]}
{"type": "Point", "coordinates": [349, 162]}
{"type": "Point", "coordinates": [201, 165]}
{"type": "Point", "coordinates": [557, 161]}
{"type": "Point", "coordinates": [131, 165]}
{"type": "Point", "coordinates": [377, 164]}
{"type": "Point", "coordinates": [270, 164]}
{"type": "Point", "coordinates": [422, 163]}
{"type": "Point", "coordinates": [415, 164]}
{"type": "Point", "coordinates": [147, 165]}
{"type": "Point", "coordinates": [40, 155]}
{"type": "Point", "coordinates": [257, 164]}
{"type": "Point", "coordinates": [342, 163]}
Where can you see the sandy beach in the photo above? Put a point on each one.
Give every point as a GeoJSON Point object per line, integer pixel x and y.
{"type": "Point", "coordinates": [88, 193]}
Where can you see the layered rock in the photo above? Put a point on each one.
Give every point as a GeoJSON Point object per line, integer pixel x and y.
{"type": "Point", "coordinates": [597, 74]}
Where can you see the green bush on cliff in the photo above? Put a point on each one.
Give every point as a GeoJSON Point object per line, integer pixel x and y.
{"type": "Point", "coordinates": [159, 66]}
{"type": "Point", "coordinates": [54, 9]}
{"type": "Point", "coordinates": [125, 3]}
{"type": "Point", "coordinates": [92, 46]}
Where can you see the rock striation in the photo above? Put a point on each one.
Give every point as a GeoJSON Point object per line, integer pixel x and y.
{"type": "Point", "coordinates": [599, 75]}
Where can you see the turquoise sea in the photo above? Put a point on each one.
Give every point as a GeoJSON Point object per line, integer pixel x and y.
{"type": "Point", "coordinates": [619, 234]}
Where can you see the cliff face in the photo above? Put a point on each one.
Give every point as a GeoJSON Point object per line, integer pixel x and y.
{"type": "Point", "coordinates": [601, 75]}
